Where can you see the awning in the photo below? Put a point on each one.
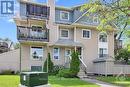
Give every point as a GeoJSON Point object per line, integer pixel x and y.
{"type": "Point", "coordinates": [70, 43]}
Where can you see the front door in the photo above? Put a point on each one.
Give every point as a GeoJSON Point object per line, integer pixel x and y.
{"type": "Point", "coordinates": [79, 50]}
{"type": "Point", "coordinates": [67, 57]}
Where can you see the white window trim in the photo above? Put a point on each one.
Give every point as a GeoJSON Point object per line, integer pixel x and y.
{"type": "Point", "coordinates": [99, 51]}
{"type": "Point", "coordinates": [67, 49]}
{"type": "Point", "coordinates": [89, 32]}
{"type": "Point", "coordinates": [101, 33]}
{"type": "Point", "coordinates": [61, 34]}
{"type": "Point", "coordinates": [36, 65]}
{"type": "Point", "coordinates": [66, 55]}
{"type": "Point", "coordinates": [58, 53]}
{"type": "Point", "coordinates": [61, 15]}
{"type": "Point", "coordinates": [31, 53]}
{"type": "Point", "coordinates": [103, 43]}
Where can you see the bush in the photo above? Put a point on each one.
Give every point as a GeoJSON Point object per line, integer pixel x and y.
{"type": "Point", "coordinates": [50, 65]}
{"type": "Point", "coordinates": [75, 64]}
{"type": "Point", "coordinates": [74, 67]}
{"type": "Point", "coordinates": [57, 68]}
{"type": "Point", "coordinates": [7, 72]}
{"type": "Point", "coordinates": [123, 55]}
{"type": "Point", "coordinates": [64, 73]}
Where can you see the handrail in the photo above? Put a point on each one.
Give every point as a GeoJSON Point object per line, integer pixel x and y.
{"type": "Point", "coordinates": [83, 62]}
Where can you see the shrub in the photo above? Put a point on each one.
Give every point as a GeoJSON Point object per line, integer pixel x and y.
{"type": "Point", "coordinates": [75, 63]}
{"type": "Point", "coordinates": [74, 67]}
{"type": "Point", "coordinates": [64, 73]}
{"type": "Point", "coordinates": [123, 55]}
{"type": "Point", "coordinates": [50, 65]}
{"type": "Point", "coordinates": [57, 68]}
{"type": "Point", "coordinates": [7, 72]}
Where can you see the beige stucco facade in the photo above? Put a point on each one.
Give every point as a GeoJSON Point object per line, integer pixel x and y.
{"type": "Point", "coordinates": [89, 46]}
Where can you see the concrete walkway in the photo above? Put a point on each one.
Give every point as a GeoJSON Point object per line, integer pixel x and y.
{"type": "Point", "coordinates": [100, 83]}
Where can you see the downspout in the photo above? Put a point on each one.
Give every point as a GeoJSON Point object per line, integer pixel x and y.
{"type": "Point", "coordinates": [20, 60]}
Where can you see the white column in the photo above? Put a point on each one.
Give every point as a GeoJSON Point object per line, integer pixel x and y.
{"type": "Point", "coordinates": [75, 34]}
{"type": "Point", "coordinates": [51, 4]}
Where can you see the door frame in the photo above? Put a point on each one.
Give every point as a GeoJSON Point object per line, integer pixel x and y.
{"type": "Point", "coordinates": [67, 55]}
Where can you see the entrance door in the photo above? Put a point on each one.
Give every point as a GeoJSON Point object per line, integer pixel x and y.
{"type": "Point", "coordinates": [79, 50]}
{"type": "Point", "coordinates": [67, 57]}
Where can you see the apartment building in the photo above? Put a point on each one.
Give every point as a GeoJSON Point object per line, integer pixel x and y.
{"type": "Point", "coordinates": [43, 28]}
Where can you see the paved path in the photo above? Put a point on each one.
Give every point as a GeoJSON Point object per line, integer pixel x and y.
{"type": "Point", "coordinates": [100, 83]}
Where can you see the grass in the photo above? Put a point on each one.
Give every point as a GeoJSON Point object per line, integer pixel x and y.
{"type": "Point", "coordinates": [13, 81]}
{"type": "Point", "coordinates": [9, 81]}
{"type": "Point", "coordinates": [119, 81]}
{"type": "Point", "coordinates": [69, 82]}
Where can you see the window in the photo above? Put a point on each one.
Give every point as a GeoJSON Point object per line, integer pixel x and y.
{"type": "Point", "coordinates": [64, 15]}
{"type": "Point", "coordinates": [64, 33]}
{"type": "Point", "coordinates": [103, 37]}
{"type": "Point", "coordinates": [37, 52]}
{"type": "Point", "coordinates": [95, 19]}
{"type": "Point", "coordinates": [103, 52]}
{"type": "Point", "coordinates": [56, 53]}
{"type": "Point", "coordinates": [67, 52]}
{"type": "Point", "coordinates": [86, 34]}
{"type": "Point", "coordinates": [37, 10]}
{"type": "Point", "coordinates": [36, 68]}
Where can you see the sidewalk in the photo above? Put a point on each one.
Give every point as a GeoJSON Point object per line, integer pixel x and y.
{"type": "Point", "coordinates": [100, 83]}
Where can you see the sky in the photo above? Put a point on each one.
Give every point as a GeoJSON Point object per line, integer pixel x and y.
{"type": "Point", "coordinates": [8, 27]}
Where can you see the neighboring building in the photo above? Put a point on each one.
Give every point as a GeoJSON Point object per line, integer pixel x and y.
{"type": "Point", "coordinates": [6, 46]}
{"type": "Point", "coordinates": [43, 28]}
{"type": "Point", "coordinates": [3, 47]}
{"type": "Point", "coordinates": [10, 60]}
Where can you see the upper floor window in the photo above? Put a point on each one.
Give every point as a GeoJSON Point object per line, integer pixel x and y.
{"type": "Point", "coordinates": [37, 10]}
{"type": "Point", "coordinates": [103, 52]}
{"type": "Point", "coordinates": [64, 15]}
{"type": "Point", "coordinates": [64, 33]}
{"type": "Point", "coordinates": [103, 37]}
{"type": "Point", "coordinates": [86, 33]}
{"type": "Point", "coordinates": [37, 52]}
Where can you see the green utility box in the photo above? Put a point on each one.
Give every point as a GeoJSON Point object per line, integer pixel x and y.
{"type": "Point", "coordinates": [31, 79]}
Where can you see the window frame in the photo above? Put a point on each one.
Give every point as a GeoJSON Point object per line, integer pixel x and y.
{"type": "Point", "coordinates": [61, 34]}
{"type": "Point", "coordinates": [89, 34]}
{"type": "Point", "coordinates": [103, 52]}
{"type": "Point", "coordinates": [31, 53]}
{"type": "Point", "coordinates": [57, 53]}
{"type": "Point", "coordinates": [37, 66]}
{"type": "Point", "coordinates": [61, 12]}
{"type": "Point", "coordinates": [99, 37]}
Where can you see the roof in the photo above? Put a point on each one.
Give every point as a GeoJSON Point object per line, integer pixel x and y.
{"type": "Point", "coordinates": [67, 42]}
{"type": "Point", "coordinates": [44, 4]}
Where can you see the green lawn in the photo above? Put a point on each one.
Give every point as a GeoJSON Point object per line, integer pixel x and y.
{"type": "Point", "coordinates": [125, 82]}
{"type": "Point", "coordinates": [13, 81]}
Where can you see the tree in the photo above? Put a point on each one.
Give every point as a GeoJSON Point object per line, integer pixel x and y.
{"type": "Point", "coordinates": [16, 46]}
{"type": "Point", "coordinates": [123, 55]}
{"type": "Point", "coordinates": [48, 63]}
{"type": "Point", "coordinates": [111, 13]}
{"type": "Point", "coordinates": [75, 63]}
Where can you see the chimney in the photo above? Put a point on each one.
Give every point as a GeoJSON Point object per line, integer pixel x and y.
{"type": "Point", "coordinates": [51, 4]}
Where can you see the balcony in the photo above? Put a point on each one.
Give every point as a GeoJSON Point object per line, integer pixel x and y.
{"type": "Point", "coordinates": [32, 34]}
{"type": "Point", "coordinates": [36, 11]}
